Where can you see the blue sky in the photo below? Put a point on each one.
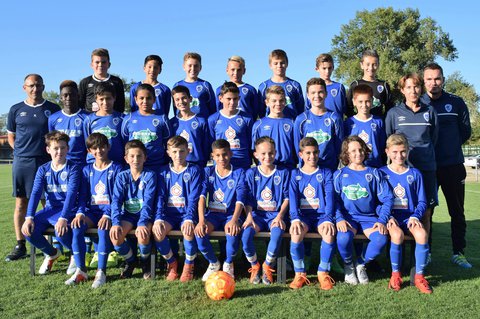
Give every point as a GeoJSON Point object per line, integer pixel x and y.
{"type": "Point", "coordinates": [55, 38]}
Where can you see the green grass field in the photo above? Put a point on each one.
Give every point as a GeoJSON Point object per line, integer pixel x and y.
{"type": "Point", "coordinates": [455, 290]}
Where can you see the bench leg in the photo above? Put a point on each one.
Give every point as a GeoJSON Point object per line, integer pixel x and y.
{"type": "Point", "coordinates": [153, 260]}
{"type": "Point", "coordinates": [33, 257]}
{"type": "Point", "coordinates": [282, 263]}
{"type": "Point", "coordinates": [412, 263]}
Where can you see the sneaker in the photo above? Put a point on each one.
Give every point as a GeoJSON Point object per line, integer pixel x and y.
{"type": "Point", "coordinates": [78, 277]}
{"type": "Point", "coordinates": [72, 267]}
{"type": "Point", "coordinates": [395, 281]}
{"type": "Point", "coordinates": [422, 284]}
{"type": "Point", "coordinates": [48, 262]}
{"type": "Point", "coordinates": [127, 269]}
{"type": "Point", "coordinates": [112, 260]}
{"type": "Point", "coordinates": [172, 273]}
{"type": "Point", "coordinates": [267, 276]}
{"type": "Point", "coordinates": [146, 269]}
{"type": "Point", "coordinates": [229, 269]}
{"type": "Point", "coordinates": [326, 282]}
{"type": "Point", "coordinates": [255, 274]}
{"type": "Point", "coordinates": [187, 272]}
{"type": "Point", "coordinates": [100, 279]}
{"type": "Point", "coordinates": [18, 252]}
{"type": "Point", "coordinates": [362, 274]}
{"type": "Point", "coordinates": [210, 270]}
{"type": "Point", "coordinates": [336, 267]}
{"type": "Point", "coordinates": [350, 276]}
{"type": "Point", "coordinates": [460, 260]}
{"type": "Point", "coordinates": [93, 264]}
{"type": "Point", "coordinates": [299, 280]}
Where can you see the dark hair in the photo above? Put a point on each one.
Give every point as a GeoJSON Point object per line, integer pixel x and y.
{"type": "Point", "coordinates": [279, 54]}
{"type": "Point", "coordinates": [324, 57]}
{"type": "Point", "coordinates": [69, 84]}
{"type": "Point", "coordinates": [101, 52]}
{"type": "Point", "coordinates": [56, 136]}
{"type": "Point", "coordinates": [135, 144]}
{"type": "Point", "coordinates": [369, 52]}
{"type": "Point", "coordinates": [146, 87]}
{"type": "Point", "coordinates": [344, 152]}
{"type": "Point", "coordinates": [433, 66]}
{"type": "Point", "coordinates": [229, 87]}
{"type": "Point", "coordinates": [38, 76]}
{"type": "Point", "coordinates": [180, 89]}
{"type": "Point", "coordinates": [362, 89]}
{"type": "Point", "coordinates": [96, 140]}
{"type": "Point", "coordinates": [220, 144]}
{"type": "Point", "coordinates": [316, 81]}
{"type": "Point", "coordinates": [264, 139]}
{"type": "Point", "coordinates": [104, 87]}
{"type": "Point", "coordinates": [307, 141]}
{"type": "Point", "coordinates": [153, 57]}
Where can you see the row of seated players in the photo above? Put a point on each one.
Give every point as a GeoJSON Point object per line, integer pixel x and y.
{"type": "Point", "coordinates": [356, 198]}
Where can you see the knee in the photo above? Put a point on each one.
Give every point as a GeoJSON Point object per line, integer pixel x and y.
{"type": "Point", "coordinates": [379, 239]}
{"type": "Point", "coordinates": [344, 238]}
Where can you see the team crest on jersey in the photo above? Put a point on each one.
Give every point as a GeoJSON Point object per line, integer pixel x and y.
{"type": "Point", "coordinates": [194, 125]}
{"type": "Point", "coordinates": [230, 183]}
{"type": "Point", "coordinates": [134, 121]}
{"type": "Point", "coordinates": [230, 133]}
{"type": "Point", "coordinates": [141, 185]}
{"type": "Point", "coordinates": [78, 122]}
{"type": "Point", "coordinates": [244, 90]}
{"type": "Point", "coordinates": [63, 175]}
{"type": "Point", "coordinates": [309, 191]}
{"type": "Point", "coordinates": [257, 178]}
{"type": "Point", "coordinates": [266, 194]}
{"type": "Point", "coordinates": [327, 122]}
{"type": "Point", "coordinates": [373, 126]}
{"type": "Point", "coordinates": [185, 135]}
{"type": "Point", "coordinates": [100, 188]}
{"type": "Point", "coordinates": [319, 178]}
{"type": "Point", "coordinates": [380, 88]}
{"type": "Point", "coordinates": [116, 120]}
{"type": "Point", "coordinates": [186, 177]}
{"type": "Point", "coordinates": [59, 120]}
{"type": "Point", "coordinates": [354, 192]}
{"type": "Point", "coordinates": [364, 136]}
{"type": "Point", "coordinates": [155, 122]}
{"type": "Point", "coordinates": [239, 121]}
{"type": "Point", "coordinates": [286, 127]}
{"type": "Point", "coordinates": [320, 136]}
{"type": "Point", "coordinates": [47, 113]}
{"type": "Point", "coordinates": [157, 92]}
{"type": "Point", "coordinates": [399, 191]}
{"type": "Point", "coordinates": [289, 88]}
{"type": "Point", "coordinates": [167, 176]}
{"type": "Point", "coordinates": [211, 179]}
{"type": "Point", "coordinates": [410, 179]}
{"type": "Point", "coordinates": [176, 190]}
{"type": "Point", "coordinates": [277, 179]}
{"type": "Point", "coordinates": [146, 136]}
{"type": "Point", "coordinates": [426, 116]}
{"type": "Point", "coordinates": [298, 177]}
{"type": "Point", "coordinates": [334, 92]}
{"type": "Point", "coordinates": [199, 88]}
{"type": "Point", "coordinates": [448, 107]}
{"type": "Point", "coordinates": [218, 195]}
{"type": "Point", "coordinates": [368, 177]}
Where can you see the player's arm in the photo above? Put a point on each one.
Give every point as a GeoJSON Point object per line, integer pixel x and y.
{"type": "Point", "coordinates": [146, 213]}
{"type": "Point", "coordinates": [262, 107]}
{"type": "Point", "coordinates": [11, 128]}
{"type": "Point", "coordinates": [74, 178]}
{"type": "Point", "coordinates": [232, 228]}
{"type": "Point", "coordinates": [434, 126]}
{"type": "Point", "coordinates": [464, 125]}
{"type": "Point", "coordinates": [255, 105]}
{"type": "Point", "coordinates": [421, 205]}
{"type": "Point", "coordinates": [299, 101]}
{"type": "Point", "coordinates": [390, 122]}
{"type": "Point", "coordinates": [219, 105]}
{"type": "Point", "coordinates": [385, 197]}
{"type": "Point", "coordinates": [193, 195]}
{"type": "Point", "coordinates": [37, 190]}
{"type": "Point", "coordinates": [159, 223]}
{"type": "Point", "coordinates": [211, 99]}
{"type": "Point", "coordinates": [341, 223]}
{"type": "Point", "coordinates": [166, 100]}
{"type": "Point", "coordinates": [201, 228]}
{"type": "Point", "coordinates": [298, 132]}
{"type": "Point", "coordinates": [11, 139]}
{"type": "Point", "coordinates": [133, 104]}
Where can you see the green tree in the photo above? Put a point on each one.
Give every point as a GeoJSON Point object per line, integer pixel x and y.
{"type": "Point", "coordinates": [52, 96]}
{"type": "Point", "coordinates": [127, 86]}
{"type": "Point", "coordinates": [404, 41]}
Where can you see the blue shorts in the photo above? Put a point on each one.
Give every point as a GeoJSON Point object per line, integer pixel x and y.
{"type": "Point", "coordinates": [218, 220]}
{"type": "Point", "coordinates": [402, 220]}
{"type": "Point", "coordinates": [94, 216]}
{"type": "Point", "coordinates": [23, 174]}
{"type": "Point", "coordinates": [313, 221]}
{"type": "Point", "coordinates": [175, 221]}
{"type": "Point", "coordinates": [131, 218]}
{"type": "Point", "coordinates": [431, 188]}
{"type": "Point", "coordinates": [360, 223]}
{"type": "Point", "coordinates": [264, 220]}
{"type": "Point", "coordinates": [47, 217]}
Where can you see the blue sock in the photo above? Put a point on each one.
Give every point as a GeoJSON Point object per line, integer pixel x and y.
{"type": "Point", "coordinates": [273, 246]}
{"type": "Point", "coordinates": [248, 246]}
{"type": "Point", "coordinates": [39, 241]}
{"type": "Point", "coordinates": [374, 247]}
{"type": "Point", "coordinates": [297, 251]}
{"type": "Point", "coordinates": [103, 248]}
{"type": "Point", "coordinates": [57, 244]}
{"type": "Point", "coordinates": [233, 243]}
{"type": "Point", "coordinates": [126, 251]}
{"type": "Point", "coordinates": [344, 244]}
{"type": "Point", "coordinates": [206, 248]}
{"type": "Point", "coordinates": [326, 252]}
{"type": "Point", "coordinates": [78, 246]}
{"type": "Point", "coordinates": [66, 239]}
{"type": "Point", "coordinates": [421, 256]}
{"type": "Point", "coordinates": [396, 256]}
{"type": "Point", "coordinates": [164, 248]}
{"type": "Point", "coordinates": [190, 247]}
{"type": "Point", "coordinates": [145, 250]}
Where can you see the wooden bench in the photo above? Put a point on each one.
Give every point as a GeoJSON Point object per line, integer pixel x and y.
{"type": "Point", "coordinates": [281, 258]}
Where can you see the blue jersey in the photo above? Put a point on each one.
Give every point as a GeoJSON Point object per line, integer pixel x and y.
{"type": "Point", "coordinates": [410, 199]}
{"type": "Point", "coordinates": [266, 193]}
{"type": "Point", "coordinates": [336, 100]}
{"type": "Point", "coordinates": [153, 131]}
{"type": "Point", "coordinates": [248, 102]}
{"type": "Point", "coordinates": [311, 193]}
{"type": "Point", "coordinates": [178, 192]}
{"type": "Point", "coordinates": [203, 97]}
{"type": "Point", "coordinates": [72, 125]}
{"type": "Point", "coordinates": [362, 193]}
{"type": "Point", "coordinates": [295, 104]}
{"type": "Point", "coordinates": [237, 130]}
{"type": "Point", "coordinates": [195, 131]}
{"type": "Point", "coordinates": [96, 189]}
{"type": "Point", "coordinates": [29, 123]}
{"type": "Point", "coordinates": [281, 131]}
{"type": "Point", "coordinates": [110, 126]}
{"type": "Point", "coordinates": [163, 98]}
{"type": "Point", "coordinates": [135, 197]}
{"type": "Point", "coordinates": [59, 186]}
{"type": "Point", "coordinates": [372, 132]}
{"type": "Point", "coordinates": [327, 129]}
{"type": "Point", "coordinates": [223, 193]}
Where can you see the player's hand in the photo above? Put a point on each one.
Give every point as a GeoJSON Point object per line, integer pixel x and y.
{"type": "Point", "coordinates": [232, 228]}
{"type": "Point", "coordinates": [142, 232]}
{"type": "Point", "coordinates": [78, 221]}
{"type": "Point", "coordinates": [104, 223]}
{"type": "Point", "coordinates": [187, 228]}
{"type": "Point", "coordinates": [382, 229]}
{"type": "Point", "coordinates": [296, 228]}
{"type": "Point", "coordinates": [115, 232]}
{"type": "Point", "coordinates": [278, 222]}
{"type": "Point", "coordinates": [201, 229]}
{"type": "Point", "coordinates": [327, 229]}
{"type": "Point", "coordinates": [28, 227]}
{"type": "Point", "coordinates": [392, 222]}
{"type": "Point", "coordinates": [248, 222]}
{"type": "Point", "coordinates": [413, 222]}
{"type": "Point", "coordinates": [61, 227]}
{"type": "Point", "coordinates": [343, 226]}
{"type": "Point", "coordinates": [159, 228]}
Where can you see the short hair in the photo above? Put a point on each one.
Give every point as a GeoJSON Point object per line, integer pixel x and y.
{"type": "Point", "coordinates": [362, 89]}
{"type": "Point", "coordinates": [101, 52]}
{"type": "Point", "coordinates": [96, 140]}
{"type": "Point", "coordinates": [344, 152]}
{"type": "Point", "coordinates": [229, 87]}
{"type": "Point", "coordinates": [237, 58]}
{"type": "Point", "coordinates": [38, 76]}
{"type": "Point", "coordinates": [369, 52]}
{"type": "Point", "coordinates": [135, 144]}
{"type": "Point", "coordinates": [307, 141]}
{"type": "Point", "coordinates": [279, 54]}
{"type": "Point", "coordinates": [104, 87]}
{"type": "Point", "coordinates": [177, 141]}
{"type": "Point", "coordinates": [180, 89]}
{"type": "Point", "coordinates": [397, 139]}
{"type": "Point", "coordinates": [56, 136]}
{"type": "Point", "coordinates": [153, 57]}
{"type": "Point", "coordinates": [69, 84]}
{"type": "Point", "coordinates": [275, 89]}
{"type": "Point", "coordinates": [417, 80]}
{"type": "Point", "coordinates": [220, 144]}
{"type": "Point", "coordinates": [192, 55]}
{"type": "Point", "coordinates": [324, 57]}
{"type": "Point", "coordinates": [317, 81]}
{"type": "Point", "coordinates": [146, 87]}
{"type": "Point", "coordinates": [264, 139]}
{"type": "Point", "coordinates": [433, 66]}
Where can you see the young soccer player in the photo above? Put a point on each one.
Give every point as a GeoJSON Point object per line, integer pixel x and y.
{"type": "Point", "coordinates": [248, 94]}
{"type": "Point", "coordinates": [409, 205]}
{"type": "Point", "coordinates": [311, 209]}
{"type": "Point", "coordinates": [70, 121]}
{"type": "Point", "coordinates": [191, 127]}
{"type": "Point", "coordinates": [336, 96]}
{"type": "Point", "coordinates": [278, 127]}
{"type": "Point", "coordinates": [364, 202]}
{"type": "Point", "coordinates": [278, 62]}
{"type": "Point", "coordinates": [132, 207]}
{"type": "Point", "coordinates": [100, 65]}
{"type": "Point", "coordinates": [203, 97]}
{"type": "Point", "coordinates": [148, 127]}
{"type": "Point", "coordinates": [59, 180]}
{"type": "Point", "coordinates": [152, 68]}
{"type": "Point", "coordinates": [224, 187]}
{"type": "Point", "coordinates": [324, 126]}
{"type": "Point", "coordinates": [368, 127]}
{"type": "Point", "coordinates": [177, 207]}
{"type": "Point", "coordinates": [382, 99]}
{"type": "Point", "coordinates": [106, 121]}
{"type": "Point", "coordinates": [233, 125]}
{"type": "Point", "coordinates": [267, 186]}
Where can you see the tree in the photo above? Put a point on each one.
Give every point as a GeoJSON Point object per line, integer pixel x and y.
{"type": "Point", "coordinates": [404, 42]}
{"type": "Point", "coordinates": [127, 86]}
{"type": "Point", "coordinates": [52, 96]}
